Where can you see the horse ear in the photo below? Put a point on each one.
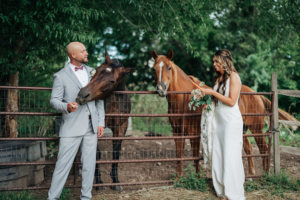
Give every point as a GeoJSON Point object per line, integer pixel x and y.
{"type": "Point", "coordinates": [170, 55]}
{"type": "Point", "coordinates": [126, 71]}
{"type": "Point", "coordinates": [154, 54]}
{"type": "Point", "coordinates": [107, 58]}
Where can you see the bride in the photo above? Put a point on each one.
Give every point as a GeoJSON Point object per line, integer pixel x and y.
{"type": "Point", "coordinates": [227, 166]}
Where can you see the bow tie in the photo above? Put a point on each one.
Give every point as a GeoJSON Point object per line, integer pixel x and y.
{"type": "Point", "coordinates": [79, 68]}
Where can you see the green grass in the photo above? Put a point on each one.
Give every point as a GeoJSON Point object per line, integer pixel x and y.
{"type": "Point", "coordinates": [275, 184]}
{"type": "Point", "coordinates": [27, 195]}
{"type": "Point", "coordinates": [191, 181]}
{"type": "Point", "coordinates": [150, 104]}
{"type": "Point", "coordinates": [23, 195]}
{"type": "Point", "coordinates": [287, 139]}
{"type": "Point", "coordinates": [66, 194]}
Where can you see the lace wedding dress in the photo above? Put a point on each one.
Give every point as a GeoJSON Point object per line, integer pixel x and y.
{"type": "Point", "coordinates": [208, 131]}
{"type": "Point", "coordinates": [222, 139]}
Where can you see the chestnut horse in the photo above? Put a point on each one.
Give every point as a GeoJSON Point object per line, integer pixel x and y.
{"type": "Point", "coordinates": [109, 77]}
{"type": "Point", "coordinates": [169, 77]}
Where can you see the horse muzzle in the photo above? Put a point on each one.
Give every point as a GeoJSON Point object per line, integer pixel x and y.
{"type": "Point", "coordinates": [83, 98]}
{"type": "Point", "coordinates": [161, 89]}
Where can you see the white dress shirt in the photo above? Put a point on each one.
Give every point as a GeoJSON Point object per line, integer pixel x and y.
{"type": "Point", "coordinates": [82, 76]}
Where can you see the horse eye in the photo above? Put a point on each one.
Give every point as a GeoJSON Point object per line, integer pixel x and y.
{"type": "Point", "coordinates": [112, 82]}
{"type": "Point", "coordinates": [169, 69]}
{"type": "Point", "coordinates": [153, 69]}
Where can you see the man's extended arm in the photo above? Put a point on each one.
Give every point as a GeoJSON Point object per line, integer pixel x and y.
{"type": "Point", "coordinates": [57, 96]}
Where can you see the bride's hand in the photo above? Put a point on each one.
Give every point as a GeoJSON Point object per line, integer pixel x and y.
{"type": "Point", "coordinates": [205, 106]}
{"type": "Point", "coordinates": [208, 91]}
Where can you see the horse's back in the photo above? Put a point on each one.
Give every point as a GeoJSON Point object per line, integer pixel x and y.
{"type": "Point", "coordinates": [251, 104]}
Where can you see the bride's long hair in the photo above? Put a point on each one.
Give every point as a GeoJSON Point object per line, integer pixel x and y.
{"type": "Point", "coordinates": [224, 57]}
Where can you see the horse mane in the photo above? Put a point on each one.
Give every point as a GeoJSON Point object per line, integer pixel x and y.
{"type": "Point", "coordinates": [196, 80]}
{"type": "Point", "coordinates": [175, 70]}
{"type": "Point", "coordinates": [115, 63]}
{"type": "Point", "coordinates": [193, 78]}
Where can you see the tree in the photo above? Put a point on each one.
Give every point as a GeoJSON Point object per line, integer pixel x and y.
{"type": "Point", "coordinates": [262, 36]}
{"type": "Point", "coordinates": [34, 35]}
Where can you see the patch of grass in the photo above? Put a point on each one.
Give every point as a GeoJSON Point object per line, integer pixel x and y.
{"type": "Point", "coordinates": [287, 139]}
{"type": "Point", "coordinates": [191, 181]}
{"type": "Point", "coordinates": [293, 141]}
{"type": "Point", "coordinates": [27, 195]}
{"type": "Point", "coordinates": [18, 195]}
{"type": "Point", "coordinates": [66, 194]}
{"type": "Point", "coordinates": [275, 184]}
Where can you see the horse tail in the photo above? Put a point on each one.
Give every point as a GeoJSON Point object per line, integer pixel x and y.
{"type": "Point", "coordinates": [282, 115]}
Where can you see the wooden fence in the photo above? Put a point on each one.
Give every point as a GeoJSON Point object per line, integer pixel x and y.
{"type": "Point", "coordinates": [276, 121]}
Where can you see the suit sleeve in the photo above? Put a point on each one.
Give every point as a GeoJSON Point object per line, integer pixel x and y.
{"type": "Point", "coordinates": [101, 112]}
{"type": "Point", "coordinates": [57, 95]}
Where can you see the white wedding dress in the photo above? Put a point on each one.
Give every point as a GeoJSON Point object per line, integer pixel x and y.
{"type": "Point", "coordinates": [222, 139]}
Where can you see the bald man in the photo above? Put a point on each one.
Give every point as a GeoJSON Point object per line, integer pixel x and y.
{"type": "Point", "coordinates": [80, 123]}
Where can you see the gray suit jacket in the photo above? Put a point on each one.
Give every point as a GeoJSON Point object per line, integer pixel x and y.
{"type": "Point", "coordinates": [65, 89]}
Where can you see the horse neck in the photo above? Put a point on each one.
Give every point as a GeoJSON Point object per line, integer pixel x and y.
{"type": "Point", "coordinates": [121, 86]}
{"type": "Point", "coordinates": [118, 103]}
{"type": "Point", "coordinates": [183, 82]}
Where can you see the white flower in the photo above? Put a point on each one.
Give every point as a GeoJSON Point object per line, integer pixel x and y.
{"type": "Point", "coordinates": [198, 94]}
{"type": "Point", "coordinates": [201, 84]}
{"type": "Point", "coordinates": [93, 72]}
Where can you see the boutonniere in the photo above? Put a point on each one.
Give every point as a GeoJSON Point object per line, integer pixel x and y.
{"type": "Point", "coordinates": [93, 72]}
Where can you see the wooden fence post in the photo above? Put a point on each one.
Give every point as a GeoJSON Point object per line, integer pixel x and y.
{"type": "Point", "coordinates": [275, 125]}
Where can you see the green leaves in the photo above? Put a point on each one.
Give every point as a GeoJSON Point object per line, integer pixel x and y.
{"type": "Point", "coordinates": [36, 33]}
{"type": "Point", "coordinates": [4, 18]}
{"type": "Point", "coordinates": [275, 184]}
{"type": "Point", "coordinates": [192, 180]}
{"type": "Point", "coordinates": [200, 100]}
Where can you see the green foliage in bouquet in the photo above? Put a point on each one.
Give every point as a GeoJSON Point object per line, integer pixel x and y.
{"type": "Point", "coordinates": [199, 99]}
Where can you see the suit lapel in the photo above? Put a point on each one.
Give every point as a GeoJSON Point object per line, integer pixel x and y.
{"type": "Point", "coordinates": [88, 69]}
{"type": "Point", "coordinates": [72, 75]}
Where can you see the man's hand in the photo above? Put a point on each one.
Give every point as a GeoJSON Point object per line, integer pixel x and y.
{"type": "Point", "coordinates": [100, 131]}
{"type": "Point", "coordinates": [72, 107]}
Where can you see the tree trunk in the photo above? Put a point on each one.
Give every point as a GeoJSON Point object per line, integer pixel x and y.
{"type": "Point", "coordinates": [11, 125]}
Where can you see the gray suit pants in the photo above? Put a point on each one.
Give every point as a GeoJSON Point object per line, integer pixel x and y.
{"type": "Point", "coordinates": [68, 147]}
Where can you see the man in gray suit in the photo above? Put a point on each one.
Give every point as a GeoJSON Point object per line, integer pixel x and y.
{"type": "Point", "coordinates": [80, 123]}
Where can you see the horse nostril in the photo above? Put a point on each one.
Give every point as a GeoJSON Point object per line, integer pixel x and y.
{"type": "Point", "coordinates": [87, 96]}
{"type": "Point", "coordinates": [157, 87]}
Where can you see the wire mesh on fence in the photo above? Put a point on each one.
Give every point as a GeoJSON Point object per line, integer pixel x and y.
{"type": "Point", "coordinates": [147, 154]}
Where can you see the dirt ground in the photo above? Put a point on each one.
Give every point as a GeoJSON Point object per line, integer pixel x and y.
{"type": "Point", "coordinates": [159, 171]}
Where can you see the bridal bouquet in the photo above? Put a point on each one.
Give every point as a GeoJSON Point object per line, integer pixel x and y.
{"type": "Point", "coordinates": [199, 99]}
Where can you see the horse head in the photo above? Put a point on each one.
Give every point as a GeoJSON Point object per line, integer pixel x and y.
{"type": "Point", "coordinates": [105, 80]}
{"type": "Point", "coordinates": [162, 68]}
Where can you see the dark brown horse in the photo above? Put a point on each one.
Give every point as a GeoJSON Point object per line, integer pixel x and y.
{"type": "Point", "coordinates": [109, 77]}
{"type": "Point", "coordinates": [169, 77]}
